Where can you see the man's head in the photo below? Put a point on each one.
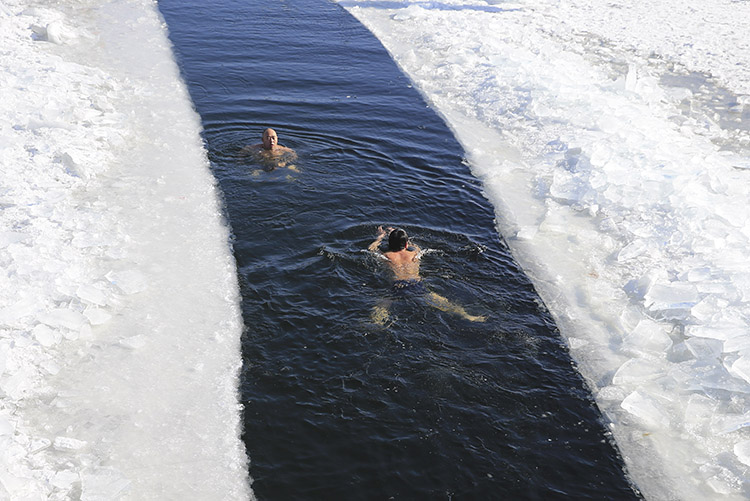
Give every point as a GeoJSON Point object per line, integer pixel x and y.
{"type": "Point", "coordinates": [397, 240]}
{"type": "Point", "coordinates": [270, 139]}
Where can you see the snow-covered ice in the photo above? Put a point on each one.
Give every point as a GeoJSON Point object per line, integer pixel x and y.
{"type": "Point", "coordinates": [117, 278]}
{"type": "Point", "coordinates": [613, 139]}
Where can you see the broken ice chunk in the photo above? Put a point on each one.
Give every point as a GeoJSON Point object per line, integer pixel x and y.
{"type": "Point", "coordinates": [97, 316]}
{"type": "Point", "coordinates": [698, 412]}
{"type": "Point", "coordinates": [714, 377]}
{"type": "Point", "coordinates": [63, 317]}
{"type": "Point", "coordinates": [648, 337]}
{"type": "Point", "coordinates": [742, 451]}
{"type": "Point", "coordinates": [699, 274]}
{"type": "Point", "coordinates": [57, 33]}
{"type": "Point", "coordinates": [716, 287]}
{"type": "Point", "coordinates": [128, 281]}
{"type": "Point", "coordinates": [645, 409]}
{"type": "Point", "coordinates": [722, 332]}
{"type": "Point", "coordinates": [11, 237]}
{"type": "Point", "coordinates": [65, 479]}
{"type": "Point", "coordinates": [74, 165]}
{"type": "Point", "coordinates": [68, 444]}
{"type": "Point", "coordinates": [723, 481]}
{"type": "Point", "coordinates": [10, 315]}
{"type": "Point", "coordinates": [46, 336]}
{"type": "Point", "coordinates": [92, 294]}
{"type": "Point", "coordinates": [19, 383]}
{"type": "Point", "coordinates": [741, 282]}
{"type": "Point", "coordinates": [741, 368]}
{"type": "Point", "coordinates": [674, 295]}
{"type": "Point", "coordinates": [707, 308]}
{"type": "Point", "coordinates": [17, 487]}
{"type": "Point", "coordinates": [566, 187]}
{"type": "Point", "coordinates": [527, 232]}
{"type": "Point", "coordinates": [637, 370]}
{"type": "Point", "coordinates": [705, 350]}
{"type": "Point", "coordinates": [39, 444]}
{"type": "Point", "coordinates": [727, 423]}
{"type": "Point", "coordinates": [50, 366]}
{"type": "Point", "coordinates": [738, 343]}
{"type": "Point", "coordinates": [638, 288]}
{"type": "Point", "coordinates": [632, 250]}
{"type": "Point", "coordinates": [734, 214]}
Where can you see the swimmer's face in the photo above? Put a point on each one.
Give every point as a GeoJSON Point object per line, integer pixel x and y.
{"type": "Point", "coordinates": [270, 140]}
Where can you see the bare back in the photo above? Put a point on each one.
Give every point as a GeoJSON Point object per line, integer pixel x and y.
{"type": "Point", "coordinates": [404, 264]}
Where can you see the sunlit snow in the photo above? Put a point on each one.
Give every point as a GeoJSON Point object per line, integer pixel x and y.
{"type": "Point", "coordinates": [119, 316]}
{"type": "Point", "coordinates": [613, 139]}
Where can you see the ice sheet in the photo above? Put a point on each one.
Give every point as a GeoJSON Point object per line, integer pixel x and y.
{"type": "Point", "coordinates": [119, 308]}
{"type": "Point", "coordinates": [613, 140]}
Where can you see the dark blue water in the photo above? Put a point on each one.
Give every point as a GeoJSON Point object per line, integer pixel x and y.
{"type": "Point", "coordinates": [431, 405]}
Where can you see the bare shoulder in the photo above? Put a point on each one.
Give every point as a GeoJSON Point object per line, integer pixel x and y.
{"type": "Point", "coordinates": [288, 151]}
{"type": "Point", "coordinates": [401, 257]}
{"type": "Point", "coordinates": [390, 256]}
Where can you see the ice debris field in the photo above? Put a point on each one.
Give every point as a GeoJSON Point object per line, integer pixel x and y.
{"type": "Point", "coordinates": [119, 308]}
{"type": "Point", "coordinates": [613, 138]}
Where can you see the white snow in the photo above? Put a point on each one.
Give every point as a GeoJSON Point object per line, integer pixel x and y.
{"type": "Point", "coordinates": [116, 274]}
{"type": "Point", "coordinates": [613, 139]}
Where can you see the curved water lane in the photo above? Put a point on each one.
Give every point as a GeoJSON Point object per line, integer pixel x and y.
{"type": "Point", "coordinates": [429, 406]}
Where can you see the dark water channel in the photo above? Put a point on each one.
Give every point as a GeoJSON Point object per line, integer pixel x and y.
{"type": "Point", "coordinates": [431, 405]}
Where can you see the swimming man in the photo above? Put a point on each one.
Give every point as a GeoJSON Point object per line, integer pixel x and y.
{"type": "Point", "coordinates": [270, 153]}
{"type": "Point", "coordinates": [404, 264]}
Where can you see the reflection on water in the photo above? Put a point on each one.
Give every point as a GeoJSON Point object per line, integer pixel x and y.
{"type": "Point", "coordinates": [429, 404]}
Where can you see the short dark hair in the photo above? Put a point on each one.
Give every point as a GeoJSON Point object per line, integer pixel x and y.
{"type": "Point", "coordinates": [397, 240]}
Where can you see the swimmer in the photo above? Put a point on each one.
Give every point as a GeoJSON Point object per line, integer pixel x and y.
{"type": "Point", "coordinates": [404, 264]}
{"type": "Point", "coordinates": [270, 153]}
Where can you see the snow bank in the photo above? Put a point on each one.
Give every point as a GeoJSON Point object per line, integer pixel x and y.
{"type": "Point", "coordinates": [119, 316]}
{"type": "Point", "coordinates": [613, 140]}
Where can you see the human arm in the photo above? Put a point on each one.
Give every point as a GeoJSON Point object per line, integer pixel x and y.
{"type": "Point", "coordinates": [418, 252]}
{"type": "Point", "coordinates": [374, 246]}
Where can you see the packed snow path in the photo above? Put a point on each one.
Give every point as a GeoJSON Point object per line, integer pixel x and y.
{"type": "Point", "coordinates": [119, 315]}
